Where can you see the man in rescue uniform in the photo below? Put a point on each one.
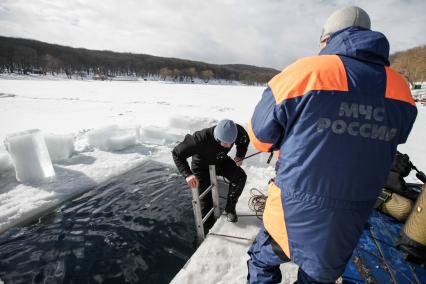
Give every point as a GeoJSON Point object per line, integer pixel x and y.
{"type": "Point", "coordinates": [336, 119]}
{"type": "Point", "coordinates": [211, 146]}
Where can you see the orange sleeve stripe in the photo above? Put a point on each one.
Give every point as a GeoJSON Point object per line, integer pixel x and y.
{"type": "Point", "coordinates": [323, 72]}
{"type": "Point", "coordinates": [264, 147]}
{"type": "Point", "coordinates": [397, 88]}
{"type": "Point", "coordinates": [273, 218]}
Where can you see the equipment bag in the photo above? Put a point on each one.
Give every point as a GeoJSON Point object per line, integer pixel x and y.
{"type": "Point", "coordinates": [394, 205]}
{"type": "Point", "coordinates": [412, 239]}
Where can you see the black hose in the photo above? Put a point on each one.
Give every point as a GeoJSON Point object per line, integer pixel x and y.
{"type": "Point", "coordinates": [420, 175]}
{"type": "Point", "coordinates": [249, 156]}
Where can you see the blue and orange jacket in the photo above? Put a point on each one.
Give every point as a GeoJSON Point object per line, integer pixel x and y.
{"type": "Point", "coordinates": [336, 119]}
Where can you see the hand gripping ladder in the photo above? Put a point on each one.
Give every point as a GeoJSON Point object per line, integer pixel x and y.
{"type": "Point", "coordinates": [196, 205]}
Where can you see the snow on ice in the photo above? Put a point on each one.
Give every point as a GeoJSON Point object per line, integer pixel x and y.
{"type": "Point", "coordinates": [117, 126]}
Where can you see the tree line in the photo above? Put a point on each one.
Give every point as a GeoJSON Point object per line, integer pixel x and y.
{"type": "Point", "coordinates": [23, 55]}
{"type": "Point", "coordinates": [411, 64]}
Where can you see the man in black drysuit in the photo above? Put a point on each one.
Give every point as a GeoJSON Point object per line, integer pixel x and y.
{"type": "Point", "coordinates": [210, 146]}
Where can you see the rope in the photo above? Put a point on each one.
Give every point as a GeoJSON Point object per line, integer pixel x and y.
{"type": "Point", "coordinates": [257, 202]}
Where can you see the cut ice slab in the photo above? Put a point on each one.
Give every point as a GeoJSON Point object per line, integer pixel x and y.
{"type": "Point", "coordinates": [191, 123]}
{"type": "Point", "coordinates": [136, 129]}
{"type": "Point", "coordinates": [121, 141]}
{"type": "Point", "coordinates": [161, 135]}
{"type": "Point", "coordinates": [30, 156]}
{"type": "Point", "coordinates": [5, 162]}
{"type": "Point", "coordinates": [60, 147]}
{"type": "Point", "coordinates": [98, 137]}
{"type": "Point", "coordinates": [113, 138]}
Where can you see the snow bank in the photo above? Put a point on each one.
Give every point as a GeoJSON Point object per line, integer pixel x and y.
{"type": "Point", "coordinates": [30, 156]}
{"type": "Point", "coordinates": [60, 147]}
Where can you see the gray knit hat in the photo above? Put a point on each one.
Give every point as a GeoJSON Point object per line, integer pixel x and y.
{"type": "Point", "coordinates": [344, 18]}
{"type": "Point", "coordinates": [226, 131]}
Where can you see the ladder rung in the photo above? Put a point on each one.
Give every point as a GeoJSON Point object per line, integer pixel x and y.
{"type": "Point", "coordinates": [208, 215]}
{"type": "Point", "coordinates": [206, 191]}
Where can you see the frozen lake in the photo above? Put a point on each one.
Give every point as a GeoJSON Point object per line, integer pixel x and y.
{"type": "Point", "coordinates": [165, 112]}
{"type": "Point", "coordinates": [71, 106]}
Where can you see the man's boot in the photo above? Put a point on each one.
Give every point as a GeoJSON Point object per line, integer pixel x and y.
{"type": "Point", "coordinates": [231, 214]}
{"type": "Point", "coordinates": [235, 190]}
{"type": "Point", "coordinates": [231, 203]}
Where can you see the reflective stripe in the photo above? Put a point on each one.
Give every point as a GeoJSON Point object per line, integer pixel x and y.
{"type": "Point", "coordinates": [324, 72]}
{"type": "Point", "coordinates": [264, 147]}
{"type": "Point", "coordinates": [397, 88]}
{"type": "Point", "coordinates": [273, 218]}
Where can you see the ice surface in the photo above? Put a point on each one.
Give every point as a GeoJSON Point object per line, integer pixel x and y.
{"type": "Point", "coordinates": [191, 123]}
{"type": "Point", "coordinates": [60, 147]}
{"type": "Point", "coordinates": [5, 162]}
{"type": "Point", "coordinates": [30, 156]}
{"type": "Point", "coordinates": [113, 138]}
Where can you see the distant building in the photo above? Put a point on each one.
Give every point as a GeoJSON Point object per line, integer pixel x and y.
{"type": "Point", "coordinates": [101, 77]}
{"type": "Point", "coordinates": [38, 71]}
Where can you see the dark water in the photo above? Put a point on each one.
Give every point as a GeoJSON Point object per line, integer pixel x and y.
{"type": "Point", "coordinates": [137, 228]}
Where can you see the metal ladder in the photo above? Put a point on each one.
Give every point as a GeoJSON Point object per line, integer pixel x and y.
{"type": "Point", "coordinates": [196, 205]}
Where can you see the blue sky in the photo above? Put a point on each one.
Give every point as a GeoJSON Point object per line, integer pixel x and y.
{"type": "Point", "coordinates": [269, 33]}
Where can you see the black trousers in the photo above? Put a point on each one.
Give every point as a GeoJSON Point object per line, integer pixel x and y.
{"type": "Point", "coordinates": [237, 179]}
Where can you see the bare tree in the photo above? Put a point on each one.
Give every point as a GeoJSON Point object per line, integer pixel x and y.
{"type": "Point", "coordinates": [207, 75]}
{"type": "Point", "coordinates": [52, 64]}
{"type": "Point", "coordinates": [165, 73]}
{"type": "Point", "coordinates": [411, 64]}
